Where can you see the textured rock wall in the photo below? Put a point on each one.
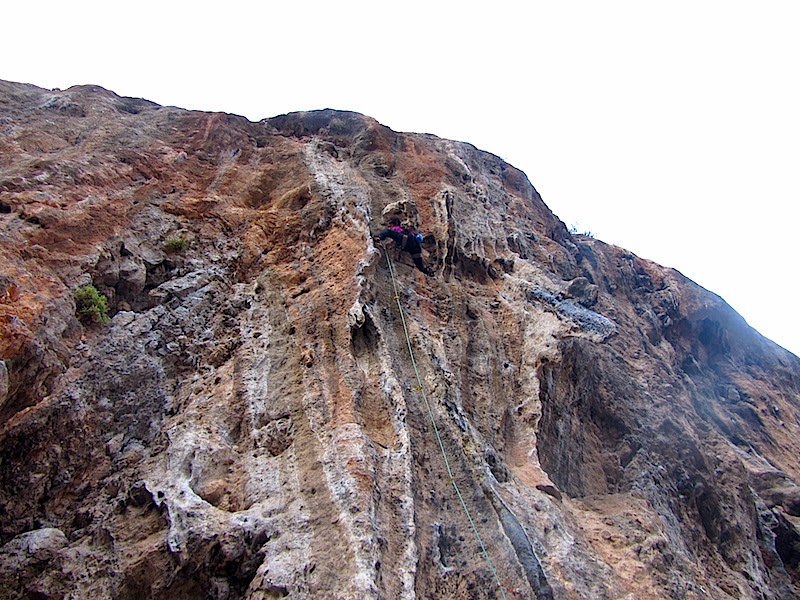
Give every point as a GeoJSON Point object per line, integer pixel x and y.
{"type": "Point", "coordinates": [248, 425]}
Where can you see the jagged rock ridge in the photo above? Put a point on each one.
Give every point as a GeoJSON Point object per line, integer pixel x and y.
{"type": "Point", "coordinates": [247, 424]}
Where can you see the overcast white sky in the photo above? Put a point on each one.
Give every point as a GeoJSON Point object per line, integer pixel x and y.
{"type": "Point", "coordinates": [669, 128]}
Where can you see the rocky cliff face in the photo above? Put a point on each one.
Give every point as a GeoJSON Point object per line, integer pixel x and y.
{"type": "Point", "coordinates": [249, 423]}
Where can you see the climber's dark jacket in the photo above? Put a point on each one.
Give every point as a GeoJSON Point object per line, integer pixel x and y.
{"type": "Point", "coordinates": [406, 241]}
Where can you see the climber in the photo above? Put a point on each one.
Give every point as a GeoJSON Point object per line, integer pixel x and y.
{"type": "Point", "coordinates": [405, 239]}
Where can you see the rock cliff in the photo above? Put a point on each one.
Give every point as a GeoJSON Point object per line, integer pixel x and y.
{"type": "Point", "coordinates": [248, 424]}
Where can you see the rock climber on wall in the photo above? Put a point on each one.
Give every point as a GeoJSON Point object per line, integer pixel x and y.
{"type": "Point", "coordinates": [405, 239]}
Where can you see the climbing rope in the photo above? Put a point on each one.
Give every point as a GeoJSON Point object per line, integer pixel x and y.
{"type": "Point", "coordinates": [421, 389]}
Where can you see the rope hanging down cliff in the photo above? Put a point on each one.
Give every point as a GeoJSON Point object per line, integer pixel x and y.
{"type": "Point", "coordinates": [421, 389]}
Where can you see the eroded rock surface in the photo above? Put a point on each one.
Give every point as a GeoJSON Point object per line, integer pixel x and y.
{"type": "Point", "coordinates": [248, 424]}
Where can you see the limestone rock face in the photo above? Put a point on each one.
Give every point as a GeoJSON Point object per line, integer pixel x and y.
{"type": "Point", "coordinates": [249, 423]}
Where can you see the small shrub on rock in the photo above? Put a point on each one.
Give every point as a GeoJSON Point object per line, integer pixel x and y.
{"type": "Point", "coordinates": [90, 305]}
{"type": "Point", "coordinates": [176, 244]}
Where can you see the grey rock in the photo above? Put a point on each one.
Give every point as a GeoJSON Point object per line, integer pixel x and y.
{"type": "Point", "coordinates": [3, 383]}
{"type": "Point", "coordinates": [40, 545]}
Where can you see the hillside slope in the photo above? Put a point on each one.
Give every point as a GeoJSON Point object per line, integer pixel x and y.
{"type": "Point", "coordinates": [249, 424]}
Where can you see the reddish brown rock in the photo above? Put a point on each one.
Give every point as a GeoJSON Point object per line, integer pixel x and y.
{"type": "Point", "coordinates": [249, 423]}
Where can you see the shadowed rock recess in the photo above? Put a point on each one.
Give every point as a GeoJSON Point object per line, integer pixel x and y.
{"type": "Point", "coordinates": [248, 424]}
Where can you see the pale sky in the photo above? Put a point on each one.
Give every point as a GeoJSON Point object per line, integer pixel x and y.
{"type": "Point", "coordinates": [669, 128]}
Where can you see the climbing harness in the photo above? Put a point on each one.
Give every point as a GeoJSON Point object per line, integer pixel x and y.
{"type": "Point", "coordinates": [421, 389]}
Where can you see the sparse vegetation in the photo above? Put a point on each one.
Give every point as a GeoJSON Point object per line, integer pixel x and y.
{"type": "Point", "coordinates": [574, 230]}
{"type": "Point", "coordinates": [90, 305]}
{"type": "Point", "coordinates": [176, 244]}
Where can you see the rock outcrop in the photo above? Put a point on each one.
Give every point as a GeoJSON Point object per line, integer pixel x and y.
{"type": "Point", "coordinates": [248, 423]}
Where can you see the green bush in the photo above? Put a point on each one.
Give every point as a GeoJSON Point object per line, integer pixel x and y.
{"type": "Point", "coordinates": [176, 244]}
{"type": "Point", "coordinates": [90, 305]}
{"type": "Point", "coordinates": [573, 229]}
